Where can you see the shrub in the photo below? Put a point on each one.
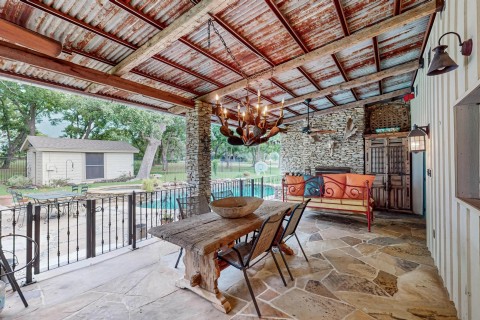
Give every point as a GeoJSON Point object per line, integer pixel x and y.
{"type": "Point", "coordinates": [57, 183]}
{"type": "Point", "coordinates": [149, 185]}
{"type": "Point", "coordinates": [246, 174]}
{"type": "Point", "coordinates": [19, 181]}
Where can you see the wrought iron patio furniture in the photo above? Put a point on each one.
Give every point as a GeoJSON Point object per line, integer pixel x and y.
{"type": "Point", "coordinates": [189, 206]}
{"type": "Point", "coordinates": [19, 206]}
{"type": "Point", "coordinates": [75, 188]}
{"type": "Point", "coordinates": [290, 231]}
{"type": "Point", "coordinates": [244, 255]}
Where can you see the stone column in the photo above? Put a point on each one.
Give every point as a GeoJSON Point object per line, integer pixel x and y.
{"type": "Point", "coordinates": [198, 165]}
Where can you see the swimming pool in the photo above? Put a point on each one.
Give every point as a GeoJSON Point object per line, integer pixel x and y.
{"type": "Point", "coordinates": [168, 200]}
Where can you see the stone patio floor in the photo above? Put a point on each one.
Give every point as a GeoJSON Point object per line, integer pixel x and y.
{"type": "Point", "coordinates": [351, 274]}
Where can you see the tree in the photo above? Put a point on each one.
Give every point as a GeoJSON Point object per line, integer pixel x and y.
{"type": "Point", "coordinates": [21, 106]}
{"type": "Point", "coordinates": [173, 141]}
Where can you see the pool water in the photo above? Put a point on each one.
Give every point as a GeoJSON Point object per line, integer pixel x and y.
{"type": "Point", "coordinates": [169, 200]}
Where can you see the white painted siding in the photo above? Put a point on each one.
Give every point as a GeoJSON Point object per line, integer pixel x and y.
{"type": "Point", "coordinates": [455, 247]}
{"type": "Point", "coordinates": [38, 168]}
{"type": "Point", "coordinates": [58, 165]}
{"type": "Point", "coordinates": [117, 164]}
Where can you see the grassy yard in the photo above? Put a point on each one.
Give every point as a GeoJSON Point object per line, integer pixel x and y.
{"type": "Point", "coordinates": [176, 172]}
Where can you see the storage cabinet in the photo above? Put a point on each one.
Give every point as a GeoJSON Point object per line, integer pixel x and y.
{"type": "Point", "coordinates": [387, 157]}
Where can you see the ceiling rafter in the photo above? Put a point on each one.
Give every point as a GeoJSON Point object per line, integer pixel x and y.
{"type": "Point", "coordinates": [69, 88]}
{"type": "Point", "coordinates": [377, 62]}
{"type": "Point", "coordinates": [424, 43]}
{"type": "Point", "coordinates": [21, 54]}
{"type": "Point", "coordinates": [346, 33]}
{"type": "Point", "coordinates": [397, 7]}
{"type": "Point", "coordinates": [387, 25]}
{"type": "Point", "coordinates": [276, 11]}
{"type": "Point", "coordinates": [360, 103]}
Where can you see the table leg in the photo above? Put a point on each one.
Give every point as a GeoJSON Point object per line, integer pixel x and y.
{"type": "Point", "coordinates": [201, 275]}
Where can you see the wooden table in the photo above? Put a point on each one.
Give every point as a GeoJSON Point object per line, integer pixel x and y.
{"type": "Point", "coordinates": [202, 236]}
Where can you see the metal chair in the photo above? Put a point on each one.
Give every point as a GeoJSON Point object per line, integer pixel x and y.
{"type": "Point", "coordinates": [19, 205]}
{"type": "Point", "coordinates": [222, 194]}
{"type": "Point", "coordinates": [75, 188]}
{"type": "Point", "coordinates": [190, 206]}
{"type": "Point", "coordinates": [243, 254]}
{"type": "Point", "coordinates": [290, 231]}
{"type": "Point", "coordinates": [83, 190]}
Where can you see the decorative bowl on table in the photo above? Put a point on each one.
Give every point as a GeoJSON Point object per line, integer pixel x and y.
{"type": "Point", "coordinates": [235, 207]}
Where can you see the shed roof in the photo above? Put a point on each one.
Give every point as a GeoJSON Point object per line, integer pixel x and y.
{"type": "Point", "coordinates": [97, 36]}
{"type": "Point", "coordinates": [76, 145]}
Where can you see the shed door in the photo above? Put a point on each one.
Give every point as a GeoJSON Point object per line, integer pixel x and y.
{"type": "Point", "coordinates": [94, 166]}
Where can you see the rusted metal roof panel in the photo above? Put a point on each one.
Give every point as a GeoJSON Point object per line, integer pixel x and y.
{"type": "Point", "coordinates": [402, 45]}
{"type": "Point", "coordinates": [368, 90]}
{"type": "Point", "coordinates": [163, 12]}
{"type": "Point", "coordinates": [398, 82]}
{"type": "Point", "coordinates": [254, 20]}
{"type": "Point", "coordinates": [24, 69]}
{"type": "Point", "coordinates": [343, 97]}
{"type": "Point", "coordinates": [316, 21]}
{"type": "Point", "coordinates": [164, 71]}
{"type": "Point", "coordinates": [359, 60]}
{"type": "Point", "coordinates": [113, 92]}
{"type": "Point", "coordinates": [185, 56]}
{"type": "Point", "coordinates": [158, 85]}
{"type": "Point", "coordinates": [409, 4]}
{"type": "Point", "coordinates": [296, 82]}
{"type": "Point", "coordinates": [362, 13]}
{"type": "Point", "coordinates": [324, 72]}
{"type": "Point", "coordinates": [250, 62]}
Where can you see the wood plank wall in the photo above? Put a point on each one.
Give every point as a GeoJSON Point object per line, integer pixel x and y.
{"type": "Point", "coordinates": [453, 226]}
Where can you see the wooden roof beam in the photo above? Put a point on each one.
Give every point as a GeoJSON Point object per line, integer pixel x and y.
{"type": "Point", "coordinates": [27, 38]}
{"type": "Point", "coordinates": [371, 78]}
{"type": "Point", "coordinates": [16, 53]}
{"type": "Point", "coordinates": [377, 62]}
{"type": "Point", "coordinates": [360, 103]}
{"type": "Point", "coordinates": [336, 46]}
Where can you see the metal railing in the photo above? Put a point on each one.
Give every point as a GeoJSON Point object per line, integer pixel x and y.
{"type": "Point", "coordinates": [12, 167]}
{"type": "Point", "coordinates": [71, 231]}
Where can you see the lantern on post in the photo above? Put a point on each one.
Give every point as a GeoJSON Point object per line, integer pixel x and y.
{"type": "Point", "coordinates": [417, 138]}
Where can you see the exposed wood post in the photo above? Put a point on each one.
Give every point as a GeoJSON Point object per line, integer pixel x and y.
{"type": "Point", "coordinates": [198, 164]}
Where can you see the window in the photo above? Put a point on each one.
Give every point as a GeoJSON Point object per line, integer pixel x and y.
{"type": "Point", "coordinates": [94, 166]}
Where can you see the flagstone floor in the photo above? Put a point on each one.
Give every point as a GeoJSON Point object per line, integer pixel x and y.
{"type": "Point", "coordinates": [351, 274]}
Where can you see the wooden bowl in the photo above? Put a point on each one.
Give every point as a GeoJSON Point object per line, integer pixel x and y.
{"type": "Point", "coordinates": [235, 207]}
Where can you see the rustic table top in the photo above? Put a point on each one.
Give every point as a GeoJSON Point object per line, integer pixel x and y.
{"type": "Point", "coordinates": [208, 232]}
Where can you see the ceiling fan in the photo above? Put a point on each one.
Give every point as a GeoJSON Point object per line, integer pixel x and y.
{"type": "Point", "coordinates": [312, 132]}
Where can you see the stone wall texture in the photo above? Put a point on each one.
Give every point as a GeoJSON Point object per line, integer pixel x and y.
{"type": "Point", "coordinates": [197, 159]}
{"type": "Point", "coordinates": [300, 152]}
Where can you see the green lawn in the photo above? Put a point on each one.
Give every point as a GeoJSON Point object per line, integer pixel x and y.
{"type": "Point", "coordinates": [176, 172]}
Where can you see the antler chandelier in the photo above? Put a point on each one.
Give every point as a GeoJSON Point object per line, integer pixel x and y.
{"type": "Point", "coordinates": [252, 128]}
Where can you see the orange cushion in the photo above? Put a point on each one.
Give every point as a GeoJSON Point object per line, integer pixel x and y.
{"type": "Point", "coordinates": [295, 185]}
{"type": "Point", "coordinates": [356, 186]}
{"type": "Point", "coordinates": [334, 185]}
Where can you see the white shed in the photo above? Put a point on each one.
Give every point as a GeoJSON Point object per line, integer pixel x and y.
{"type": "Point", "coordinates": [77, 160]}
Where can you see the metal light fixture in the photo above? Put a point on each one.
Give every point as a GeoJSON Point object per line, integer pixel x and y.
{"type": "Point", "coordinates": [441, 62]}
{"type": "Point", "coordinates": [253, 127]}
{"type": "Point", "coordinates": [417, 138]}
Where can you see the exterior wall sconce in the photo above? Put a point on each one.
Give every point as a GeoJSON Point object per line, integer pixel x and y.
{"type": "Point", "coordinates": [417, 138]}
{"type": "Point", "coordinates": [441, 62]}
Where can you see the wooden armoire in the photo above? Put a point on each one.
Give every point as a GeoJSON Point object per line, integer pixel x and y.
{"type": "Point", "coordinates": [387, 156]}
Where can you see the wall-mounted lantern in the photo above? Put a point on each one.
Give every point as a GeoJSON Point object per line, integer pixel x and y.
{"type": "Point", "coordinates": [441, 62]}
{"type": "Point", "coordinates": [417, 138]}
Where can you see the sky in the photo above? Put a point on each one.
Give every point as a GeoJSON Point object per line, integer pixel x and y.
{"type": "Point", "coordinates": [47, 129]}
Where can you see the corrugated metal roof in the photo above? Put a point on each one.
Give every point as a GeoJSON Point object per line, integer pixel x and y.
{"type": "Point", "coordinates": [98, 34]}
{"type": "Point", "coordinates": [77, 145]}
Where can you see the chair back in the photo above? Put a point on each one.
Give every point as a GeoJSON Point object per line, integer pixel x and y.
{"type": "Point", "coordinates": [295, 217]}
{"type": "Point", "coordinates": [74, 188]}
{"type": "Point", "coordinates": [222, 194]}
{"type": "Point", "coordinates": [193, 205]}
{"type": "Point", "coordinates": [84, 189]}
{"type": "Point", "coordinates": [266, 235]}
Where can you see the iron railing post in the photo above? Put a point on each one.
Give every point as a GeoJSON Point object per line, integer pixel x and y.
{"type": "Point", "coordinates": [261, 187]}
{"type": "Point", "coordinates": [29, 276]}
{"type": "Point", "coordinates": [36, 219]}
{"type": "Point", "coordinates": [252, 182]}
{"type": "Point", "coordinates": [134, 221]}
{"type": "Point", "coordinates": [241, 187]}
{"type": "Point", "coordinates": [90, 227]}
{"type": "Point", "coordinates": [129, 217]}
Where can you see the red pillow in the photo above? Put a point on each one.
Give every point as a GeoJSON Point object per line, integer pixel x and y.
{"type": "Point", "coordinates": [356, 186]}
{"type": "Point", "coordinates": [295, 185]}
{"type": "Point", "coordinates": [334, 185]}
